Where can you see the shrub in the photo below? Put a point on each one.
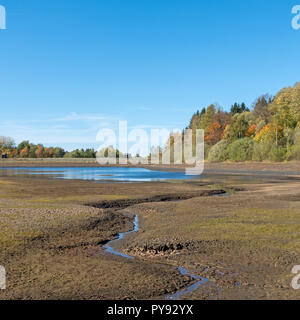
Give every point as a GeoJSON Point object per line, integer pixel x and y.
{"type": "Point", "coordinates": [218, 152]}
{"type": "Point", "coordinates": [293, 152]}
{"type": "Point", "coordinates": [241, 150]}
{"type": "Point", "coordinates": [261, 151]}
{"type": "Point", "coordinates": [269, 151]}
{"type": "Point", "coordinates": [206, 150]}
{"type": "Point", "coordinates": [277, 153]}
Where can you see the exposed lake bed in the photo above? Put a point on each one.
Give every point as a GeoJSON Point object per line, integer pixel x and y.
{"type": "Point", "coordinates": [245, 244]}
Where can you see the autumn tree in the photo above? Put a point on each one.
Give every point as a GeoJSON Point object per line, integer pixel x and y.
{"type": "Point", "coordinates": [23, 145]}
{"type": "Point", "coordinates": [285, 107]}
{"type": "Point", "coordinates": [24, 153]}
{"type": "Point", "coordinates": [261, 109]}
{"type": "Point", "coordinates": [240, 124]}
{"type": "Point", "coordinates": [6, 143]}
{"type": "Point", "coordinates": [215, 131]}
{"type": "Point", "coordinates": [39, 151]}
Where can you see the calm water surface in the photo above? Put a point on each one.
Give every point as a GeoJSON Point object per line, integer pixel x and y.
{"type": "Point", "coordinates": [99, 174]}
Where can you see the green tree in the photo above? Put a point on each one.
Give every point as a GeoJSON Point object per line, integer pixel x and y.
{"type": "Point", "coordinates": [22, 145]}
{"type": "Point", "coordinates": [239, 126]}
{"type": "Point", "coordinates": [238, 108]}
{"type": "Point", "coordinates": [32, 150]}
{"type": "Point", "coordinates": [59, 152]}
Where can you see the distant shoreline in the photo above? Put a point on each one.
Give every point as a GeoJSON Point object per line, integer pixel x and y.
{"type": "Point", "coordinates": [293, 166]}
{"type": "Point", "coordinates": [80, 162]}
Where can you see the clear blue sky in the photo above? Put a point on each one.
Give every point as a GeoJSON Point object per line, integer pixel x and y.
{"type": "Point", "coordinates": [70, 67]}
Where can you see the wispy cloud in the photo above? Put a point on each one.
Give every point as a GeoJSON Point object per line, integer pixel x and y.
{"type": "Point", "coordinates": [74, 128]}
{"type": "Point", "coordinates": [81, 117]}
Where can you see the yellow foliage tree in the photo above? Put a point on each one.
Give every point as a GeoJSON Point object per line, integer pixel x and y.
{"type": "Point", "coordinates": [269, 133]}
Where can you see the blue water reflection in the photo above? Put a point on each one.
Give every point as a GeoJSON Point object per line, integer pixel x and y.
{"type": "Point", "coordinates": [98, 173]}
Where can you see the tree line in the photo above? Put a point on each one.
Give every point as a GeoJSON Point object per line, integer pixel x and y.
{"type": "Point", "coordinates": [267, 130]}
{"type": "Point", "coordinates": [29, 150]}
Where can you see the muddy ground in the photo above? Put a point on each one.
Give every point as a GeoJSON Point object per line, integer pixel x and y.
{"type": "Point", "coordinates": [237, 226]}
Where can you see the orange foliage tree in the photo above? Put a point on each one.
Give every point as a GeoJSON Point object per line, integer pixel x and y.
{"type": "Point", "coordinates": [215, 131]}
{"type": "Point", "coordinates": [251, 131]}
{"type": "Point", "coordinates": [24, 153]}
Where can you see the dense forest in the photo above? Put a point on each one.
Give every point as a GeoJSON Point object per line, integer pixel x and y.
{"type": "Point", "coordinates": [267, 130]}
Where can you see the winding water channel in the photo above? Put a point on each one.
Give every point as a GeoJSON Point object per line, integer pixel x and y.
{"type": "Point", "coordinates": [200, 280]}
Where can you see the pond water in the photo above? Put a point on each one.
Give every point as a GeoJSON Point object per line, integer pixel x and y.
{"type": "Point", "coordinates": [98, 173]}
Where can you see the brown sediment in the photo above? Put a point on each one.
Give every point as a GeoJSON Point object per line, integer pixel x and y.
{"type": "Point", "coordinates": [246, 244]}
{"type": "Point", "coordinates": [124, 203]}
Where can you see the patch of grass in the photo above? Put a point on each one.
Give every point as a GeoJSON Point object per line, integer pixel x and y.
{"type": "Point", "coordinates": [272, 226]}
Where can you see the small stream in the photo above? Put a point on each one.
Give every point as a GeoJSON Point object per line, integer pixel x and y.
{"type": "Point", "coordinates": [109, 248]}
{"type": "Point", "coordinates": [191, 288]}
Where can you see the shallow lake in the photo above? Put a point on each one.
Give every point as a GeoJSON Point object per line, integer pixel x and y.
{"type": "Point", "coordinates": [99, 174]}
